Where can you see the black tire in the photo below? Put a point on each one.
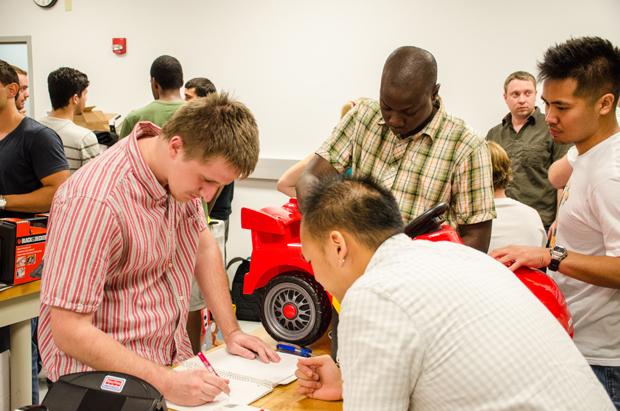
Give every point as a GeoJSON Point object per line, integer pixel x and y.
{"type": "Point", "coordinates": [308, 309]}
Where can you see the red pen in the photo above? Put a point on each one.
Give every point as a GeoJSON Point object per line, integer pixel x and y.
{"type": "Point", "coordinates": [207, 364]}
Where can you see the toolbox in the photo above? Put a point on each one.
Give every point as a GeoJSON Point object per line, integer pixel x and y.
{"type": "Point", "coordinates": [22, 244]}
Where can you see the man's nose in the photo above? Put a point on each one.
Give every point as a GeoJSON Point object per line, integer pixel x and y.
{"type": "Point", "coordinates": [550, 117]}
{"type": "Point", "coordinates": [208, 191]}
{"type": "Point", "coordinates": [396, 121]}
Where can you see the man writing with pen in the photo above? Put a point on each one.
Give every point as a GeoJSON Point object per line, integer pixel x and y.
{"type": "Point", "coordinates": [126, 235]}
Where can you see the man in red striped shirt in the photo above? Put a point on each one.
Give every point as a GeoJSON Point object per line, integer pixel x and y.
{"type": "Point", "coordinates": [127, 232]}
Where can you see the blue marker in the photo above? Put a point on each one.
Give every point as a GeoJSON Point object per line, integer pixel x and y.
{"type": "Point", "coordinates": [291, 349]}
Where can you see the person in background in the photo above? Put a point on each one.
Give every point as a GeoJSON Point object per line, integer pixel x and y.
{"type": "Point", "coordinates": [166, 83]}
{"type": "Point", "coordinates": [409, 144]}
{"type": "Point", "coordinates": [32, 167]}
{"type": "Point", "coordinates": [581, 84]}
{"type": "Point", "coordinates": [198, 87]}
{"type": "Point", "coordinates": [429, 325]}
{"type": "Point", "coordinates": [68, 90]}
{"type": "Point", "coordinates": [516, 223]}
{"type": "Point", "coordinates": [524, 135]}
{"type": "Point", "coordinates": [23, 89]}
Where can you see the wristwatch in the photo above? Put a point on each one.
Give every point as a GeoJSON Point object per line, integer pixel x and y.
{"type": "Point", "coordinates": [2, 202]}
{"type": "Point", "coordinates": [558, 253]}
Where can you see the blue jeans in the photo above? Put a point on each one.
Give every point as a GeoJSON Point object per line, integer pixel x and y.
{"type": "Point", "coordinates": [36, 361]}
{"type": "Point", "coordinates": [610, 378]}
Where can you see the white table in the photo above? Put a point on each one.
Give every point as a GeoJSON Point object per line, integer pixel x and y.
{"type": "Point", "coordinates": [18, 305]}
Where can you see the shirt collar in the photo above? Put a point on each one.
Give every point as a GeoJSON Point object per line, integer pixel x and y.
{"type": "Point", "coordinates": [142, 171]}
{"type": "Point", "coordinates": [432, 129]}
{"type": "Point", "coordinates": [507, 120]}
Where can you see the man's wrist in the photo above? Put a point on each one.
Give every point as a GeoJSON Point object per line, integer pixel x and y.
{"type": "Point", "coordinates": [160, 378]}
{"type": "Point", "coordinates": [230, 332]}
{"type": "Point", "coordinates": [547, 257]}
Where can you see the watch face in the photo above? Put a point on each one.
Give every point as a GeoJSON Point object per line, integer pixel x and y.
{"type": "Point", "coordinates": [559, 249]}
{"type": "Point", "coordinates": [45, 3]}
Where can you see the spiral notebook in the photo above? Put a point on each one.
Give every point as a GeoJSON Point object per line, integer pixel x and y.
{"type": "Point", "coordinates": [249, 379]}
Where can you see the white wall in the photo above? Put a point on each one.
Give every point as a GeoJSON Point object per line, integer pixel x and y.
{"type": "Point", "coordinates": [294, 63]}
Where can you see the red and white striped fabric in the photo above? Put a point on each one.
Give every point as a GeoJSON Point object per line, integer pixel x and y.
{"type": "Point", "coordinates": [121, 247]}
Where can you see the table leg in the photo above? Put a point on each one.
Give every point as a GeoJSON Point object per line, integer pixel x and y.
{"type": "Point", "coordinates": [21, 364]}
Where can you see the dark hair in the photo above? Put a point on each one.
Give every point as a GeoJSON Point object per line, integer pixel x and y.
{"type": "Point", "coordinates": [358, 205]}
{"type": "Point", "coordinates": [217, 125]}
{"type": "Point", "coordinates": [167, 72]}
{"type": "Point", "coordinates": [592, 61]}
{"type": "Point", "coordinates": [63, 84]}
{"type": "Point", "coordinates": [203, 86]}
{"type": "Point", "coordinates": [8, 74]}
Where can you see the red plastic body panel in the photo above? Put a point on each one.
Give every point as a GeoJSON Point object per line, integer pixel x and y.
{"type": "Point", "coordinates": [276, 249]}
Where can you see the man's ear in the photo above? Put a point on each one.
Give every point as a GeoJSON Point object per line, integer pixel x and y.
{"type": "Point", "coordinates": [13, 90]}
{"type": "Point", "coordinates": [175, 146]}
{"type": "Point", "coordinates": [436, 91]}
{"type": "Point", "coordinates": [339, 245]}
{"type": "Point", "coordinates": [606, 103]}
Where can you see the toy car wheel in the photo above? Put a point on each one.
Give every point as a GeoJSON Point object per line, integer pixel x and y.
{"type": "Point", "coordinates": [295, 308]}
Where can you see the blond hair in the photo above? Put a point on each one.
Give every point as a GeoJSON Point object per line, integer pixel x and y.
{"type": "Point", "coordinates": [502, 172]}
{"type": "Point", "coordinates": [519, 75]}
{"type": "Point", "coordinates": [217, 125]}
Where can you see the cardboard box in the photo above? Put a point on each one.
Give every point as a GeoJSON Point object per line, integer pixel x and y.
{"type": "Point", "coordinates": [95, 120]}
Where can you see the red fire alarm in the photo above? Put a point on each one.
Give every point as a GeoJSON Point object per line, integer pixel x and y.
{"type": "Point", "coordinates": [119, 45]}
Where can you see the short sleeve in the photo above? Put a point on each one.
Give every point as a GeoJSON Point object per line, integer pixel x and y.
{"type": "Point", "coordinates": [90, 148]}
{"type": "Point", "coordinates": [47, 153]}
{"type": "Point", "coordinates": [374, 345]}
{"type": "Point", "coordinates": [83, 245]}
{"type": "Point", "coordinates": [472, 188]}
{"type": "Point", "coordinates": [338, 148]}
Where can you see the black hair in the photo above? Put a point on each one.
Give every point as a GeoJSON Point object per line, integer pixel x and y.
{"type": "Point", "coordinates": [359, 205]}
{"type": "Point", "coordinates": [8, 74]}
{"type": "Point", "coordinates": [63, 84]}
{"type": "Point", "coordinates": [167, 72]}
{"type": "Point", "coordinates": [202, 86]}
{"type": "Point", "coordinates": [592, 61]}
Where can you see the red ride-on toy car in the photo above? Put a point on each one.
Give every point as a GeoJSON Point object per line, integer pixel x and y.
{"type": "Point", "coordinates": [295, 308]}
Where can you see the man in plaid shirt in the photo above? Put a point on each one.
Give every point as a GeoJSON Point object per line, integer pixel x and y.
{"type": "Point", "coordinates": [408, 143]}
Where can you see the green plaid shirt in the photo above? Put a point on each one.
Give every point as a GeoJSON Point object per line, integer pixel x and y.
{"type": "Point", "coordinates": [445, 162]}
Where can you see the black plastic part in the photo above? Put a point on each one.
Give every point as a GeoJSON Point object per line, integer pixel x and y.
{"type": "Point", "coordinates": [427, 222]}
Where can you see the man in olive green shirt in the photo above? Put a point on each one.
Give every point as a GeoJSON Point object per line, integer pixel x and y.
{"type": "Point", "coordinates": [524, 134]}
{"type": "Point", "coordinates": [166, 83]}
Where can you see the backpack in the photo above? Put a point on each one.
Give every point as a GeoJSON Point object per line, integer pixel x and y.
{"type": "Point", "coordinates": [247, 306]}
